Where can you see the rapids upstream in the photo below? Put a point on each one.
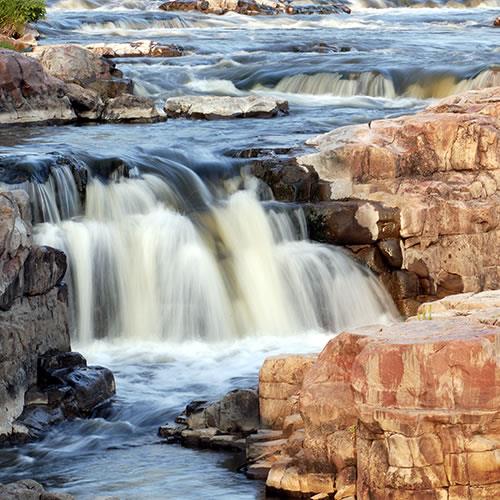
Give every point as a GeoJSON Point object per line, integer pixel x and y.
{"type": "Point", "coordinates": [185, 275]}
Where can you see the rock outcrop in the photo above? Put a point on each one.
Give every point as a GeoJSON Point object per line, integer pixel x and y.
{"type": "Point", "coordinates": [66, 83]}
{"type": "Point", "coordinates": [39, 383]}
{"type": "Point", "coordinates": [439, 170]}
{"type": "Point", "coordinates": [28, 94]}
{"type": "Point", "coordinates": [406, 411]}
{"type": "Point", "coordinates": [221, 107]}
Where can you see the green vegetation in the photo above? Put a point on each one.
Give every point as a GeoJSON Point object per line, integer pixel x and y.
{"type": "Point", "coordinates": [15, 14]}
{"type": "Point", "coordinates": [7, 45]}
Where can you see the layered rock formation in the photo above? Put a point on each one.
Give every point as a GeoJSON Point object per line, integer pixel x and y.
{"type": "Point", "coordinates": [437, 170]}
{"type": "Point", "coordinates": [39, 384]}
{"type": "Point", "coordinates": [406, 411]}
{"type": "Point", "coordinates": [220, 107]}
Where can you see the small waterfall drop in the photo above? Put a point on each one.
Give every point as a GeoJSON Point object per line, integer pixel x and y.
{"type": "Point", "coordinates": [377, 85]}
{"type": "Point", "coordinates": [141, 267]}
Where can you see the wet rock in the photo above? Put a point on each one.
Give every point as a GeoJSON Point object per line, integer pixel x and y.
{"type": "Point", "coordinates": [221, 107]}
{"type": "Point", "coordinates": [496, 22]}
{"type": "Point", "coordinates": [222, 424]}
{"type": "Point", "coordinates": [287, 180]}
{"type": "Point", "coordinates": [44, 269]}
{"type": "Point", "coordinates": [65, 388]}
{"type": "Point", "coordinates": [130, 108]}
{"type": "Point", "coordinates": [15, 240]}
{"type": "Point", "coordinates": [391, 251]}
{"type": "Point", "coordinates": [352, 222]}
{"type": "Point", "coordinates": [87, 103]}
{"type": "Point", "coordinates": [236, 413]}
{"type": "Point", "coordinates": [28, 94]}
{"type": "Point", "coordinates": [28, 489]}
{"type": "Point", "coordinates": [139, 48]}
{"type": "Point", "coordinates": [371, 256]}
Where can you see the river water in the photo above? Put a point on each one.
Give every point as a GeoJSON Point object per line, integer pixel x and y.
{"type": "Point", "coordinates": [185, 276]}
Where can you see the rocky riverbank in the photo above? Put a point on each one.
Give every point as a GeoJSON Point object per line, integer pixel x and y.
{"type": "Point", "coordinates": [41, 381]}
{"type": "Point", "coordinates": [405, 411]}
{"type": "Point", "coordinates": [416, 197]}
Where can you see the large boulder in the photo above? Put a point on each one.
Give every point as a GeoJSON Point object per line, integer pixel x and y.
{"type": "Point", "coordinates": [405, 411]}
{"type": "Point", "coordinates": [28, 94]}
{"type": "Point", "coordinates": [74, 64]}
{"type": "Point", "coordinates": [220, 107]}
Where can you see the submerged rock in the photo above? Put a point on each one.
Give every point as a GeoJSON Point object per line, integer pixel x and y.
{"type": "Point", "coordinates": [28, 489]}
{"type": "Point", "coordinates": [139, 48]}
{"type": "Point", "coordinates": [28, 94]}
{"type": "Point", "coordinates": [219, 107]}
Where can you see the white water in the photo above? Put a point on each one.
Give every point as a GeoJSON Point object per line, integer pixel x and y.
{"type": "Point", "coordinates": [143, 270]}
{"type": "Point", "coordinates": [376, 85]}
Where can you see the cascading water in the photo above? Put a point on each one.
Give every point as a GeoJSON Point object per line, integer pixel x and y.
{"type": "Point", "coordinates": [142, 268]}
{"type": "Point", "coordinates": [377, 85]}
{"type": "Point", "coordinates": [181, 286]}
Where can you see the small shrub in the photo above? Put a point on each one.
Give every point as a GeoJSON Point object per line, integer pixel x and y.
{"type": "Point", "coordinates": [14, 14]}
{"type": "Point", "coordinates": [7, 45]}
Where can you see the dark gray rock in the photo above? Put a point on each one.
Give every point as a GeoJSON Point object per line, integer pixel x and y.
{"type": "Point", "coordinates": [44, 269]}
{"type": "Point", "coordinates": [391, 251]}
{"type": "Point", "coordinates": [288, 180]}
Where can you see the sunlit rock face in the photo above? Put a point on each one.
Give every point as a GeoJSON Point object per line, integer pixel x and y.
{"type": "Point", "coordinates": [28, 94]}
{"type": "Point", "coordinates": [391, 412]}
{"type": "Point", "coordinates": [440, 168]}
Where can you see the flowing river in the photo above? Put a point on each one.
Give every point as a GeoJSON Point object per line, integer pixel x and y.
{"type": "Point", "coordinates": [185, 274]}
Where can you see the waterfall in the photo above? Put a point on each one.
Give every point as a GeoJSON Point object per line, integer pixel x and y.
{"type": "Point", "coordinates": [142, 267]}
{"type": "Point", "coordinates": [377, 85]}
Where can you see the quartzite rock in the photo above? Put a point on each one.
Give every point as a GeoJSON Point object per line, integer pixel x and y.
{"type": "Point", "coordinates": [441, 169]}
{"type": "Point", "coordinates": [220, 107]}
{"type": "Point", "coordinates": [401, 411]}
{"type": "Point", "coordinates": [138, 48]}
{"type": "Point", "coordinates": [28, 94]}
